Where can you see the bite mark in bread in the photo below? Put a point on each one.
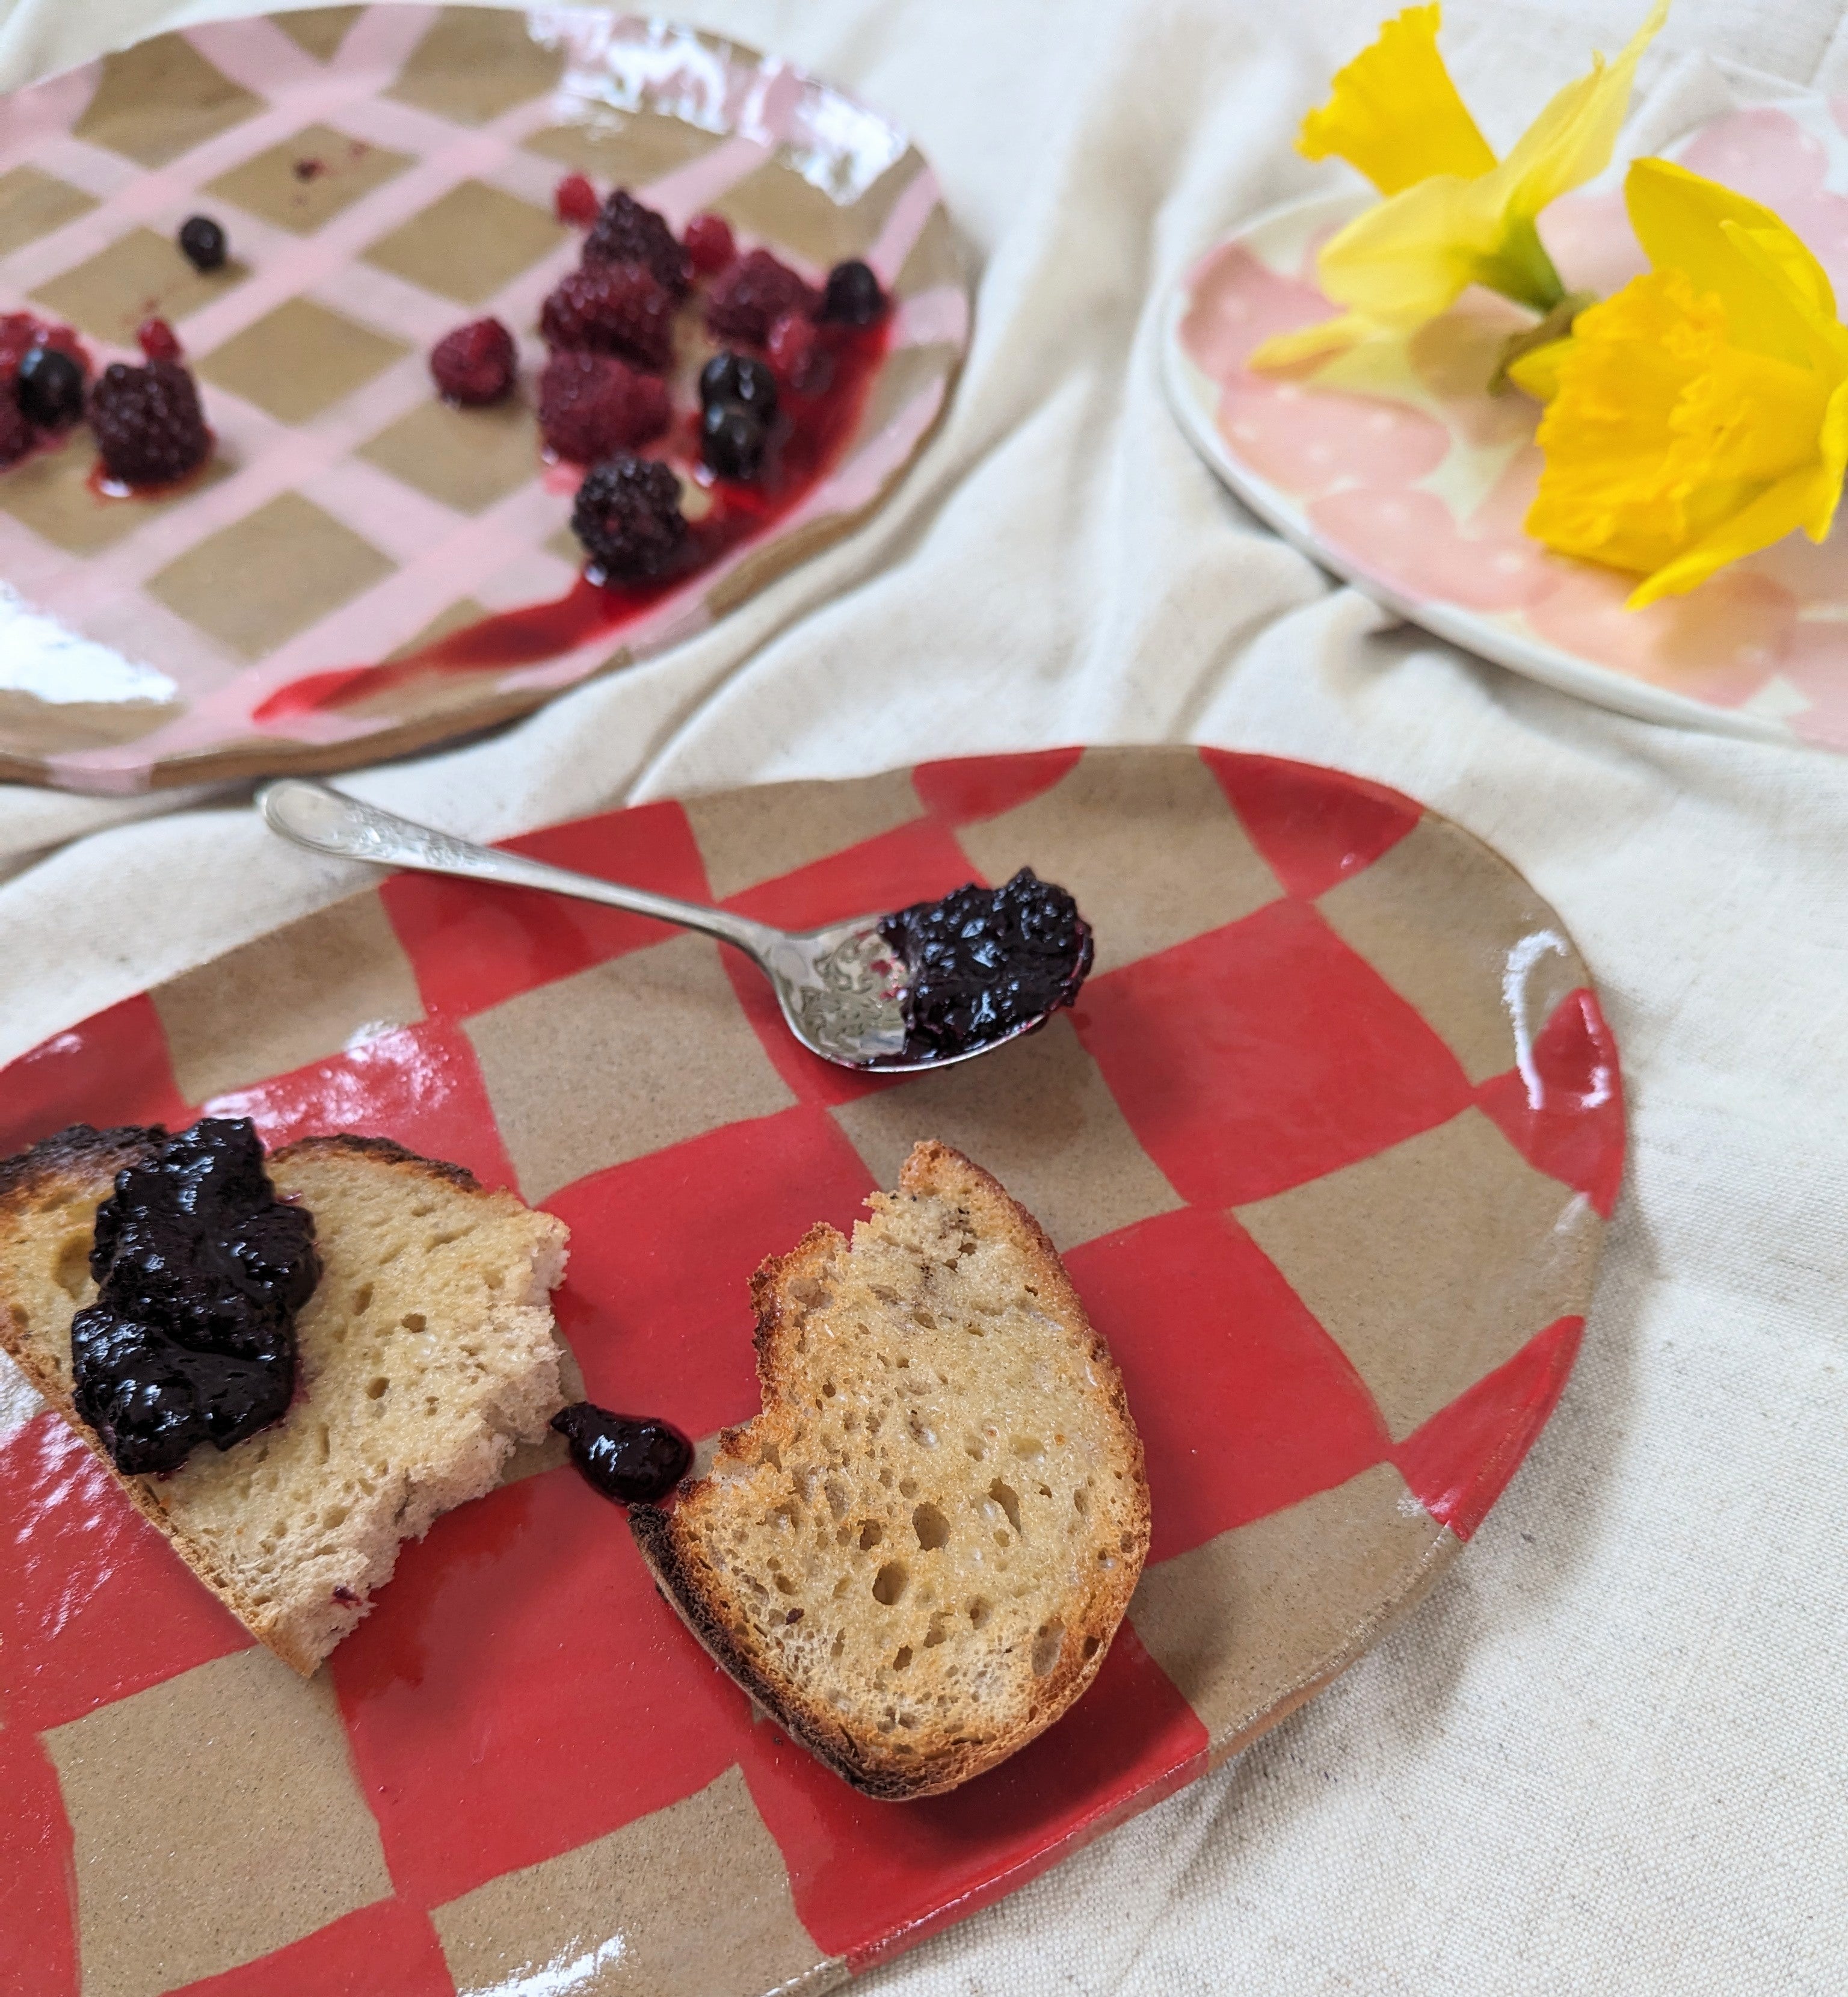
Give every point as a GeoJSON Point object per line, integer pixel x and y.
{"type": "Point", "coordinates": [915, 1557]}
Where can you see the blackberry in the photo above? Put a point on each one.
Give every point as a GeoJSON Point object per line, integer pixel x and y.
{"type": "Point", "coordinates": [627, 233]}
{"type": "Point", "coordinates": [476, 365]}
{"type": "Point", "coordinates": [50, 387]}
{"type": "Point", "coordinates": [593, 405]}
{"type": "Point", "coordinates": [731, 441]}
{"type": "Point", "coordinates": [148, 424]}
{"type": "Point", "coordinates": [852, 296]}
{"type": "Point", "coordinates": [612, 308]}
{"type": "Point", "coordinates": [747, 300]}
{"type": "Point", "coordinates": [202, 242]}
{"type": "Point", "coordinates": [628, 516]}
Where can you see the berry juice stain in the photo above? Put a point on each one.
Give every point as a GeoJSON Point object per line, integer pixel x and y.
{"type": "Point", "coordinates": [810, 431]}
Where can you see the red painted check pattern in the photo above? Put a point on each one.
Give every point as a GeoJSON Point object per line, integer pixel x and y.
{"type": "Point", "coordinates": [520, 1697]}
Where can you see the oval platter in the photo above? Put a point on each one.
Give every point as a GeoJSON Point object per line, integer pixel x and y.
{"type": "Point", "coordinates": [1328, 1144]}
{"type": "Point", "coordinates": [1399, 471]}
{"type": "Point", "coordinates": [364, 571]}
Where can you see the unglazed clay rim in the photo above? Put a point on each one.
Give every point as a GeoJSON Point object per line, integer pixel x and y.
{"type": "Point", "coordinates": [790, 545]}
{"type": "Point", "coordinates": [1192, 394]}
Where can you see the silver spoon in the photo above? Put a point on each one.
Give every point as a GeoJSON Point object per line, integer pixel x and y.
{"type": "Point", "coordinates": [841, 989]}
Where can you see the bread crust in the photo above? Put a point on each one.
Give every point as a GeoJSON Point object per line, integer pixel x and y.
{"type": "Point", "coordinates": [78, 1166]}
{"type": "Point", "coordinates": [669, 1540]}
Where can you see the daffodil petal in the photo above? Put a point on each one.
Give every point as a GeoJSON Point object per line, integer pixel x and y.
{"type": "Point", "coordinates": [1571, 140]}
{"type": "Point", "coordinates": [1311, 343]}
{"type": "Point", "coordinates": [1834, 448]}
{"type": "Point", "coordinates": [1537, 372]}
{"type": "Point", "coordinates": [1407, 259]}
{"type": "Point", "coordinates": [1681, 220]}
{"type": "Point", "coordinates": [1779, 510]}
{"type": "Point", "coordinates": [1812, 329]}
{"type": "Point", "coordinates": [1395, 113]}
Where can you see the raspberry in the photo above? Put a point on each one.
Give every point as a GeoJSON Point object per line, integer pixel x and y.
{"type": "Point", "coordinates": [574, 202]}
{"type": "Point", "coordinates": [612, 308]}
{"type": "Point", "coordinates": [748, 299]}
{"type": "Point", "coordinates": [19, 333]}
{"type": "Point", "coordinates": [593, 405]}
{"type": "Point", "coordinates": [474, 364]}
{"type": "Point", "coordinates": [709, 244]}
{"type": "Point", "coordinates": [852, 296]}
{"type": "Point", "coordinates": [627, 233]}
{"type": "Point", "coordinates": [157, 339]}
{"type": "Point", "coordinates": [628, 516]}
{"type": "Point", "coordinates": [148, 424]}
{"type": "Point", "coordinates": [15, 433]}
{"type": "Point", "coordinates": [792, 346]}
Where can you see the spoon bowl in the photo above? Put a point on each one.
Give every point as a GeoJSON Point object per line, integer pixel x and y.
{"type": "Point", "coordinates": [841, 989]}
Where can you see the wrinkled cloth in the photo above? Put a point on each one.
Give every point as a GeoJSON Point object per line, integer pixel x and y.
{"type": "Point", "coordinates": [1608, 1754]}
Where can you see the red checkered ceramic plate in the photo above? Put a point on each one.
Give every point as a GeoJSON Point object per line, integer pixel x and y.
{"type": "Point", "coordinates": [1328, 1145]}
{"type": "Point", "coordinates": [363, 570]}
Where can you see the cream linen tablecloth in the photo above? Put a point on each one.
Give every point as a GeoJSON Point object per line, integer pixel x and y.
{"type": "Point", "coordinates": [1610, 1753]}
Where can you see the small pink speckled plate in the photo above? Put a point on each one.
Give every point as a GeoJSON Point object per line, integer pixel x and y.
{"type": "Point", "coordinates": [1395, 468]}
{"type": "Point", "coordinates": [362, 571]}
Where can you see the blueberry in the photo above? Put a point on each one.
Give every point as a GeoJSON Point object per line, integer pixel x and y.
{"type": "Point", "coordinates": [739, 381]}
{"type": "Point", "coordinates": [202, 242]}
{"type": "Point", "coordinates": [50, 388]}
{"type": "Point", "coordinates": [852, 296]}
{"type": "Point", "coordinates": [731, 441]}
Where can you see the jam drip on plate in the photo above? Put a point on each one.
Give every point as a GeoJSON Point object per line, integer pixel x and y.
{"type": "Point", "coordinates": [803, 440]}
{"type": "Point", "coordinates": [984, 961]}
{"type": "Point", "coordinates": [632, 1458]}
{"type": "Point", "coordinates": [202, 1270]}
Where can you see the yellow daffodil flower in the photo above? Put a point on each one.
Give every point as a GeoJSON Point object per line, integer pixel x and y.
{"type": "Point", "coordinates": [1454, 215]}
{"type": "Point", "coordinates": [1702, 413]}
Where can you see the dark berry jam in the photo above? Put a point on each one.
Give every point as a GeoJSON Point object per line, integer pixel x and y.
{"type": "Point", "coordinates": [632, 1458]}
{"type": "Point", "coordinates": [984, 960]}
{"type": "Point", "coordinates": [202, 1271]}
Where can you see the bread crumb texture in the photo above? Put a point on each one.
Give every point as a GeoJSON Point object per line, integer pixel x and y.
{"type": "Point", "coordinates": [426, 1353]}
{"type": "Point", "coordinates": [917, 1555]}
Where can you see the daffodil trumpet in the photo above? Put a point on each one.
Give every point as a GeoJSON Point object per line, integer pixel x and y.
{"type": "Point", "coordinates": [1453, 215]}
{"type": "Point", "coordinates": [1702, 413]}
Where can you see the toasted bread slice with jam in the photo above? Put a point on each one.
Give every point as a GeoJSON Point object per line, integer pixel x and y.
{"type": "Point", "coordinates": [915, 1557]}
{"type": "Point", "coordinates": [425, 1354]}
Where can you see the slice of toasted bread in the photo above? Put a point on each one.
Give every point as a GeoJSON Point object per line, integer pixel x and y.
{"type": "Point", "coordinates": [425, 1354]}
{"type": "Point", "coordinates": [916, 1556]}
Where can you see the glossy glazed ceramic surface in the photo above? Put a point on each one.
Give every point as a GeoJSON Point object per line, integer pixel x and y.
{"type": "Point", "coordinates": [1328, 1145]}
{"type": "Point", "coordinates": [384, 174]}
{"type": "Point", "coordinates": [1397, 469]}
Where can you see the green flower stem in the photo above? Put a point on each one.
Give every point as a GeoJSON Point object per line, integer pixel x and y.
{"type": "Point", "coordinates": [1557, 324]}
{"type": "Point", "coordinates": [1522, 270]}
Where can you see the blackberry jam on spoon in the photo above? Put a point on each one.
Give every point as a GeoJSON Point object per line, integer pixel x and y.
{"type": "Point", "coordinates": [921, 987]}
